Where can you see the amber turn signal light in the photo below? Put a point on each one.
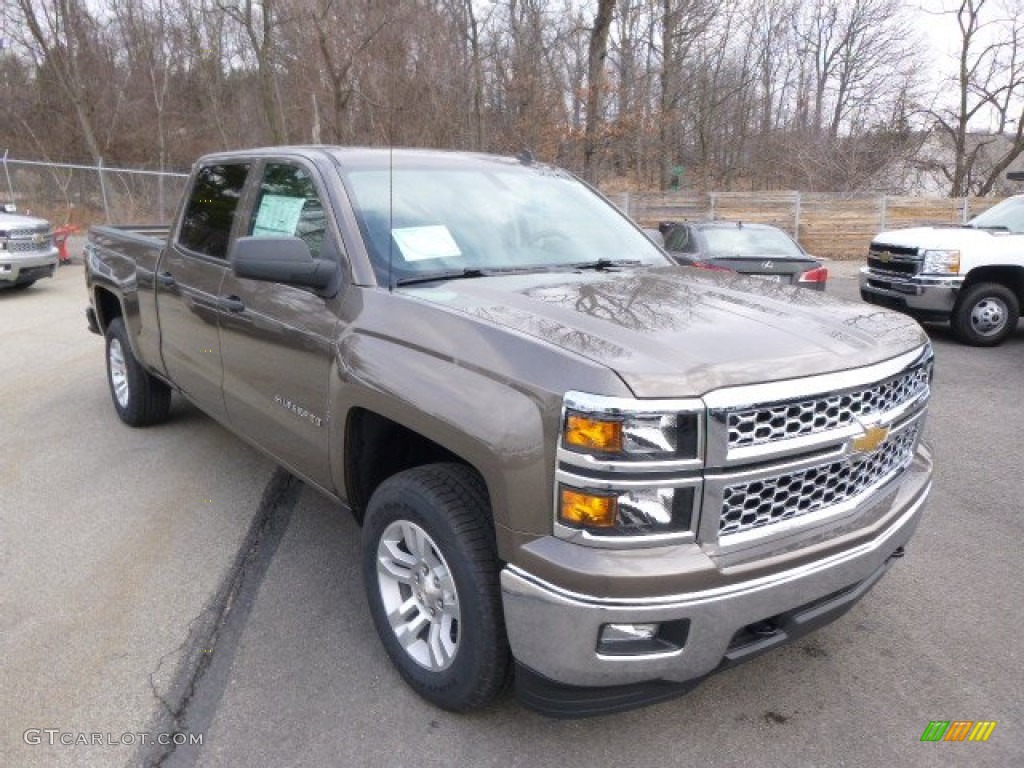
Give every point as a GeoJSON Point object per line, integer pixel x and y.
{"type": "Point", "coordinates": [593, 434]}
{"type": "Point", "coordinates": [578, 508]}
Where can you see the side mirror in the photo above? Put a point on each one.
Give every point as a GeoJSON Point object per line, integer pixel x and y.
{"type": "Point", "coordinates": [283, 259]}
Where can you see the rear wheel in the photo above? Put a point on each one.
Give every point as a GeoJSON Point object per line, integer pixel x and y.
{"type": "Point", "coordinates": [139, 398]}
{"type": "Point", "coordinates": [430, 570]}
{"type": "Point", "coordinates": [985, 315]}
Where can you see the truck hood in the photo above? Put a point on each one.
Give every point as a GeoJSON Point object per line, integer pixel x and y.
{"type": "Point", "coordinates": [676, 332]}
{"type": "Point", "coordinates": [9, 221]}
{"type": "Point", "coordinates": [963, 238]}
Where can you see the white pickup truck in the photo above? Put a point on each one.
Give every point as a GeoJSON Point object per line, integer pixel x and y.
{"type": "Point", "coordinates": [972, 276]}
{"type": "Point", "coordinates": [27, 252]}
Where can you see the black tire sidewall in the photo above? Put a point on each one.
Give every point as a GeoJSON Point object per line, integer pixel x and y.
{"type": "Point", "coordinates": [481, 632]}
{"type": "Point", "coordinates": [148, 400]}
{"type": "Point", "coordinates": [969, 299]}
{"type": "Point", "coordinates": [116, 331]}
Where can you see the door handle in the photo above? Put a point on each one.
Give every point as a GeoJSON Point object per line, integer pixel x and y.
{"type": "Point", "coordinates": [231, 303]}
{"type": "Point", "coordinates": [166, 279]}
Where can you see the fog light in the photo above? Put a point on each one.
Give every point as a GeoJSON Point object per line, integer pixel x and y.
{"type": "Point", "coordinates": [616, 632]}
{"type": "Point", "coordinates": [641, 639]}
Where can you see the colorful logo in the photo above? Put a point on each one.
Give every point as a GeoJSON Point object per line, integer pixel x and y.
{"type": "Point", "coordinates": [870, 440]}
{"type": "Point", "coordinates": [958, 730]}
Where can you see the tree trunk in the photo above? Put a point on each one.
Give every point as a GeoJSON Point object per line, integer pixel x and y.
{"type": "Point", "coordinates": [596, 53]}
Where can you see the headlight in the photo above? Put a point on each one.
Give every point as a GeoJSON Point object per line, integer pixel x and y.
{"type": "Point", "coordinates": [630, 436]}
{"type": "Point", "coordinates": [633, 512]}
{"type": "Point", "coordinates": [941, 262]}
{"type": "Point", "coordinates": [629, 470]}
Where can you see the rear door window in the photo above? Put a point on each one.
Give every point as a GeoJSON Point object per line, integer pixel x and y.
{"type": "Point", "coordinates": [210, 211]}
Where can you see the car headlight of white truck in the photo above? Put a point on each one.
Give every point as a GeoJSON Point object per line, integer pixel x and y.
{"type": "Point", "coordinates": [941, 262]}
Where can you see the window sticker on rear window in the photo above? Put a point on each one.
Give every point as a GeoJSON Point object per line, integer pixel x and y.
{"type": "Point", "coordinates": [278, 215]}
{"type": "Point", "coordinates": [422, 243]}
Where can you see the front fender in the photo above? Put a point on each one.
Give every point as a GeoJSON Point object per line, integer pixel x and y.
{"type": "Point", "coordinates": [505, 431]}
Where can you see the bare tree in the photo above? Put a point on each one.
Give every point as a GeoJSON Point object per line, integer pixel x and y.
{"type": "Point", "coordinates": [259, 22]}
{"type": "Point", "coordinates": [58, 33]}
{"type": "Point", "coordinates": [597, 51]}
{"type": "Point", "coordinates": [989, 86]}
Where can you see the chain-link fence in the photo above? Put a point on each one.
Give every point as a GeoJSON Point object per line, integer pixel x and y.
{"type": "Point", "coordinates": [83, 195]}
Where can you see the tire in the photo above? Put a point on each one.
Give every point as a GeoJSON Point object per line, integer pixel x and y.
{"type": "Point", "coordinates": [429, 561]}
{"type": "Point", "coordinates": [139, 398]}
{"type": "Point", "coordinates": [985, 315]}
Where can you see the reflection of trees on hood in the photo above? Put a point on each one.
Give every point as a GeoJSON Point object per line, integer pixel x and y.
{"type": "Point", "coordinates": [888, 325]}
{"type": "Point", "coordinates": [639, 302]}
{"type": "Point", "coordinates": [554, 332]}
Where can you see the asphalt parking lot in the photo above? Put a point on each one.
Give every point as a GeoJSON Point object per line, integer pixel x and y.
{"type": "Point", "coordinates": [171, 579]}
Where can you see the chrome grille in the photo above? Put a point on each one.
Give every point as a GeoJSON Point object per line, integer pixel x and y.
{"type": "Point", "coordinates": [758, 503]}
{"type": "Point", "coordinates": [26, 246]}
{"type": "Point", "coordinates": [768, 424]}
{"type": "Point", "coordinates": [27, 240]}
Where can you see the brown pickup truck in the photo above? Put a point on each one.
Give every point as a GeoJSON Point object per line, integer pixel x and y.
{"type": "Point", "coordinates": [576, 464]}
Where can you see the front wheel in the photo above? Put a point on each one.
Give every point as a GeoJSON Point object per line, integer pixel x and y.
{"type": "Point", "coordinates": [139, 398]}
{"type": "Point", "coordinates": [985, 315]}
{"type": "Point", "coordinates": [430, 570]}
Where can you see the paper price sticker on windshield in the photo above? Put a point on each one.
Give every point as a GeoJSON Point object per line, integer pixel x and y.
{"type": "Point", "coordinates": [422, 243]}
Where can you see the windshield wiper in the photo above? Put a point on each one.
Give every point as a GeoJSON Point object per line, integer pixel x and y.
{"type": "Point", "coordinates": [449, 274]}
{"type": "Point", "coordinates": [460, 274]}
{"type": "Point", "coordinates": [603, 264]}
{"type": "Point", "coordinates": [992, 227]}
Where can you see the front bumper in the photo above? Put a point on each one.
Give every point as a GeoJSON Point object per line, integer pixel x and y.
{"type": "Point", "coordinates": [31, 265]}
{"type": "Point", "coordinates": [929, 298]}
{"type": "Point", "coordinates": [554, 633]}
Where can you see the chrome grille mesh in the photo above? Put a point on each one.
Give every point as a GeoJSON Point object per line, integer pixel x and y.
{"type": "Point", "coordinates": [754, 504]}
{"type": "Point", "coordinates": [24, 240]}
{"type": "Point", "coordinates": [27, 246]}
{"type": "Point", "coordinates": [768, 424]}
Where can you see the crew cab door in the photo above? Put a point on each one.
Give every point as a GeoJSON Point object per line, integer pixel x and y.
{"type": "Point", "coordinates": [188, 283]}
{"type": "Point", "coordinates": [277, 340]}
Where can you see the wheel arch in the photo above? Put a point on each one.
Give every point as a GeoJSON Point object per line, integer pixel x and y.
{"type": "Point", "coordinates": [107, 305]}
{"type": "Point", "coordinates": [403, 409]}
{"type": "Point", "coordinates": [1010, 276]}
{"type": "Point", "coordinates": [377, 447]}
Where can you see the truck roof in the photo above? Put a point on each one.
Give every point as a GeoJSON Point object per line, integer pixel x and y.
{"type": "Point", "coordinates": [377, 157]}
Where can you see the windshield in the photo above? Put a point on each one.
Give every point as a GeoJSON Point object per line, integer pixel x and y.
{"type": "Point", "coordinates": [750, 242]}
{"type": "Point", "coordinates": [428, 220]}
{"type": "Point", "coordinates": [1007, 215]}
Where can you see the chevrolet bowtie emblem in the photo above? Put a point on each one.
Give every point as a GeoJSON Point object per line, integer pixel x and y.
{"type": "Point", "coordinates": [872, 438]}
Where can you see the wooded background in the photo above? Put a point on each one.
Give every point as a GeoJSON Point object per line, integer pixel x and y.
{"type": "Point", "coordinates": [839, 96]}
